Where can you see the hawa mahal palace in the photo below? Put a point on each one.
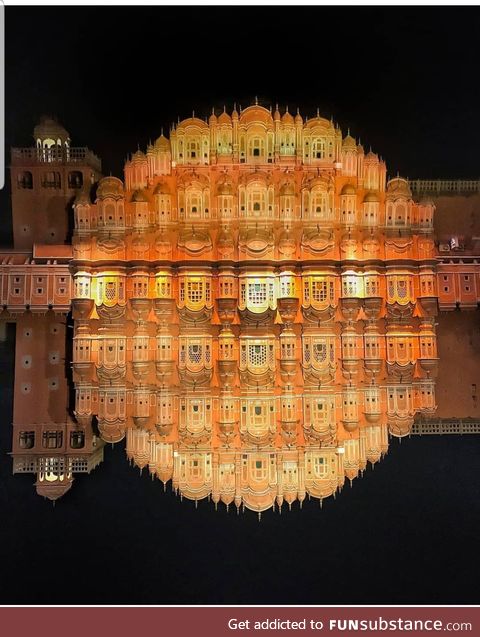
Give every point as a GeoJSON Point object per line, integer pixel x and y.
{"type": "Point", "coordinates": [253, 308]}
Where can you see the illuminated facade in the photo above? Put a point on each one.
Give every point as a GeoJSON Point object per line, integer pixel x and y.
{"type": "Point", "coordinates": [254, 307]}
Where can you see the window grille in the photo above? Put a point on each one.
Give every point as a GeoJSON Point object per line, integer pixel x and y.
{"type": "Point", "coordinates": [320, 352]}
{"type": "Point", "coordinates": [195, 353]}
{"type": "Point", "coordinates": [319, 291]}
{"type": "Point", "coordinates": [257, 293]}
{"type": "Point", "coordinates": [257, 355]}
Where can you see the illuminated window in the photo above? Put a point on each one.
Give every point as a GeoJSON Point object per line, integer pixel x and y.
{"type": "Point", "coordinates": [318, 148]}
{"type": "Point", "coordinates": [257, 293]}
{"type": "Point", "coordinates": [195, 291]}
{"type": "Point", "coordinates": [319, 291]}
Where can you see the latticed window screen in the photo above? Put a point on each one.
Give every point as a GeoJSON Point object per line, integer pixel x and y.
{"type": "Point", "coordinates": [391, 288]}
{"type": "Point", "coordinates": [350, 287]}
{"type": "Point", "coordinates": [320, 352]}
{"type": "Point", "coordinates": [306, 352]}
{"type": "Point", "coordinates": [195, 291]}
{"type": "Point", "coordinates": [288, 350]}
{"type": "Point", "coordinates": [320, 466]}
{"type": "Point", "coordinates": [257, 293]}
{"type": "Point", "coordinates": [287, 287]}
{"type": "Point", "coordinates": [319, 291]}
{"type": "Point", "coordinates": [195, 353]}
{"type": "Point", "coordinates": [402, 288]}
{"type": "Point", "coordinates": [320, 412]}
{"type": "Point", "coordinates": [371, 287]}
{"type": "Point", "coordinates": [257, 355]}
{"type": "Point", "coordinates": [163, 288]}
{"type": "Point", "coordinates": [110, 290]}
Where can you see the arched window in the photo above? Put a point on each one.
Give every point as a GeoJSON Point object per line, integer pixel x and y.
{"type": "Point", "coordinates": [27, 439]}
{"type": "Point", "coordinates": [256, 148]}
{"type": "Point", "coordinates": [77, 439]}
{"type": "Point", "coordinates": [193, 150]}
{"type": "Point", "coordinates": [318, 148]}
{"type": "Point", "coordinates": [75, 179]}
{"type": "Point", "coordinates": [51, 180]}
{"type": "Point", "coordinates": [25, 180]}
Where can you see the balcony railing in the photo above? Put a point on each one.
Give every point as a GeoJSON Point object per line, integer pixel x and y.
{"type": "Point", "coordinates": [55, 155]}
{"type": "Point", "coordinates": [444, 186]}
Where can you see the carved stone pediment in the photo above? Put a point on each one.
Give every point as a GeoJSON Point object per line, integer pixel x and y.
{"type": "Point", "coordinates": [317, 241]}
{"type": "Point", "coordinates": [371, 246]}
{"type": "Point", "coordinates": [256, 242]}
{"type": "Point", "coordinates": [110, 245]}
{"type": "Point", "coordinates": [140, 247]}
{"type": "Point", "coordinates": [194, 241]}
{"type": "Point", "coordinates": [398, 245]}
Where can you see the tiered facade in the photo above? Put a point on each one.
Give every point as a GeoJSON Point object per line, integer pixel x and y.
{"type": "Point", "coordinates": [254, 308]}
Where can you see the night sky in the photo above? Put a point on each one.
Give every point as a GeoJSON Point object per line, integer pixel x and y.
{"type": "Point", "coordinates": [403, 79]}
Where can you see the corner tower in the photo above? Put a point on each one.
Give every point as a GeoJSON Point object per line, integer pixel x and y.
{"type": "Point", "coordinates": [45, 178]}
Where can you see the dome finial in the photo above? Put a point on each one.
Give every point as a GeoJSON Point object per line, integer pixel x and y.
{"type": "Point", "coordinates": [193, 113]}
{"type": "Point", "coordinates": [318, 112]}
{"type": "Point", "coordinates": [256, 100]}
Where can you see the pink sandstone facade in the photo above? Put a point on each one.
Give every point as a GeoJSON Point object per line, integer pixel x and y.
{"type": "Point", "coordinates": [254, 307]}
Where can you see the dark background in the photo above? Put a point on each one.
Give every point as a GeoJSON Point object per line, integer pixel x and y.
{"type": "Point", "coordinates": [403, 79]}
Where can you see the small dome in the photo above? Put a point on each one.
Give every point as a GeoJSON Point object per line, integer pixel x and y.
{"type": "Point", "coordinates": [371, 156]}
{"type": "Point", "coordinates": [162, 143]}
{"type": "Point", "coordinates": [161, 189]}
{"type": "Point", "coordinates": [256, 114]}
{"type": "Point", "coordinates": [276, 115]}
{"type": "Point", "coordinates": [192, 121]}
{"type": "Point", "coordinates": [399, 187]}
{"type": "Point", "coordinates": [109, 187]}
{"type": "Point", "coordinates": [374, 455]}
{"type": "Point", "coordinates": [287, 118]}
{"type": "Point", "coordinates": [349, 142]}
{"type": "Point", "coordinates": [48, 128]}
{"type": "Point", "coordinates": [348, 189]}
{"type": "Point", "coordinates": [288, 188]}
{"type": "Point", "coordinates": [139, 156]}
{"type": "Point", "coordinates": [351, 473]}
{"type": "Point", "coordinates": [371, 197]}
{"type": "Point", "coordinates": [139, 196]}
{"type": "Point", "coordinates": [225, 119]}
{"type": "Point", "coordinates": [224, 187]}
